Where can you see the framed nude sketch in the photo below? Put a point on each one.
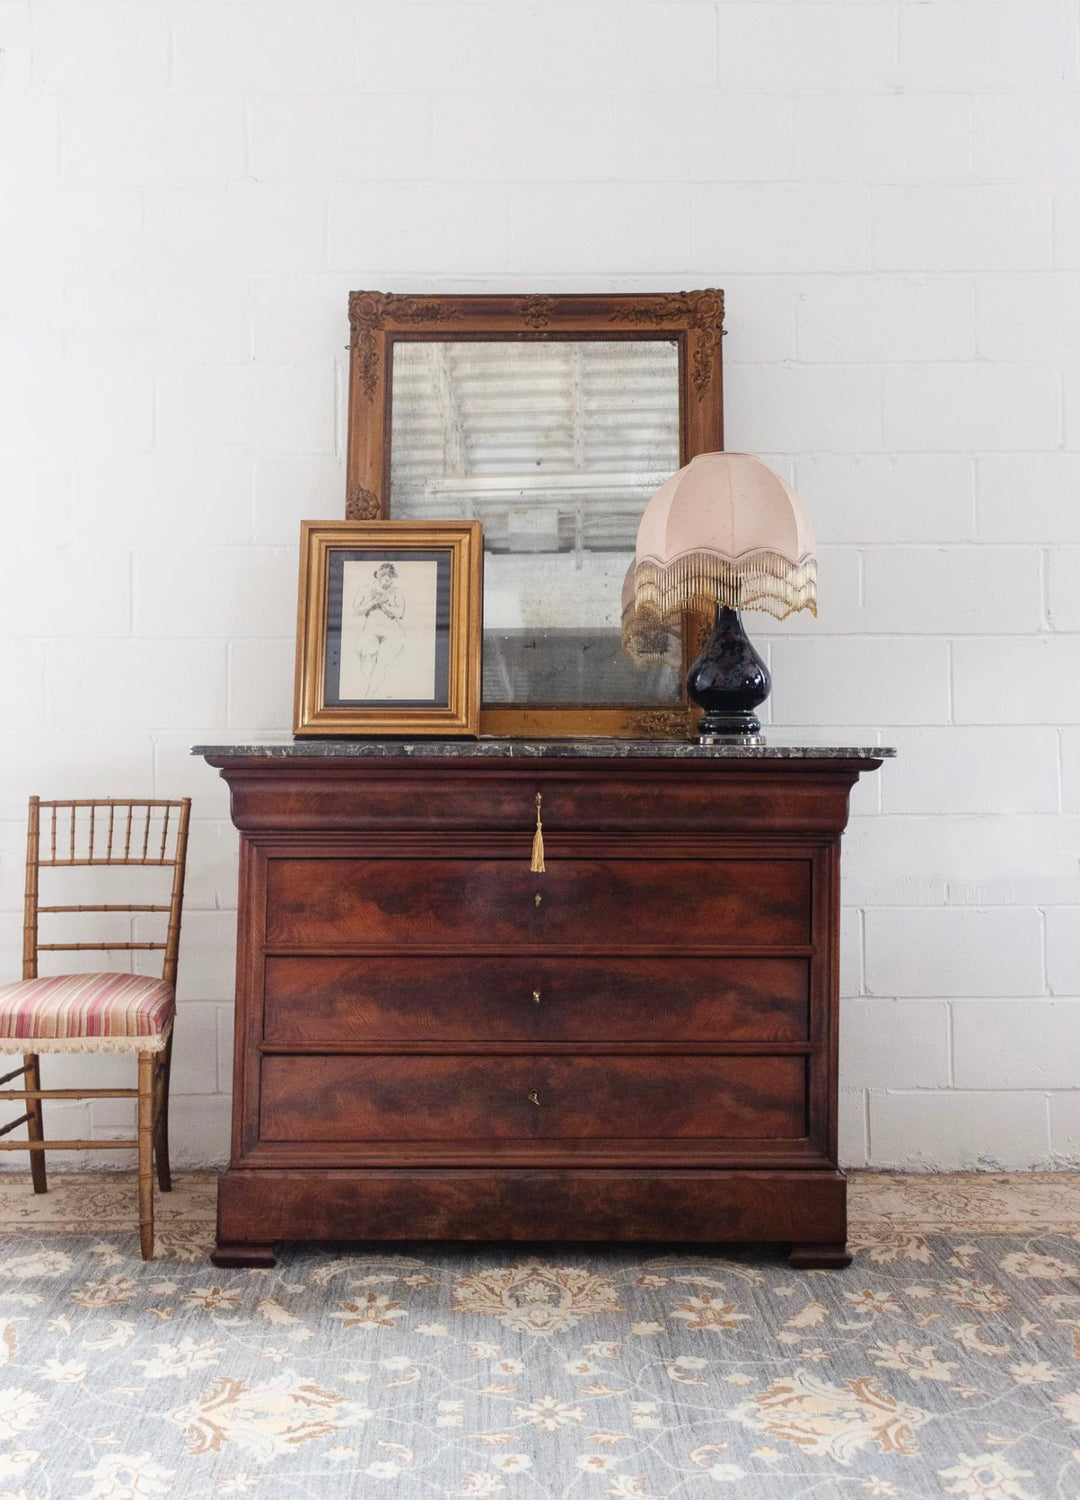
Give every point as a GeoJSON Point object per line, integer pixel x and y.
{"type": "Point", "coordinates": [551, 420]}
{"type": "Point", "coordinates": [388, 628]}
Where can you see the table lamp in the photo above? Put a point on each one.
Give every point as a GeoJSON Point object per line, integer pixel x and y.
{"type": "Point", "coordinates": [724, 533]}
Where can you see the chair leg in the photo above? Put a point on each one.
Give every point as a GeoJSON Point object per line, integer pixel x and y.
{"type": "Point", "coordinates": [146, 1154]}
{"type": "Point", "coordinates": [162, 1070]}
{"type": "Point", "coordinates": [34, 1126]}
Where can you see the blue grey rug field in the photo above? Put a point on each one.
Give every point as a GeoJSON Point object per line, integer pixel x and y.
{"type": "Point", "coordinates": [940, 1364]}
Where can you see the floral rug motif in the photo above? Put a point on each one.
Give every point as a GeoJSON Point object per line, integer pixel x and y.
{"type": "Point", "coordinates": [936, 1366]}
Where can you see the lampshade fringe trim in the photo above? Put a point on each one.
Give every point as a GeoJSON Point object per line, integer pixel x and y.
{"type": "Point", "coordinates": [699, 581]}
{"type": "Point", "coordinates": [650, 642]}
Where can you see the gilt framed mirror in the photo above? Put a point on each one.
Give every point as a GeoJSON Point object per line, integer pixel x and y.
{"type": "Point", "coordinates": [550, 419]}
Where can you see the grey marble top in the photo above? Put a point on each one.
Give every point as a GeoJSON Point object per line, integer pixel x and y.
{"type": "Point", "coordinates": [534, 749]}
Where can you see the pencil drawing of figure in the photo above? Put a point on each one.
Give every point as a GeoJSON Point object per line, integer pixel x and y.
{"type": "Point", "coordinates": [380, 606]}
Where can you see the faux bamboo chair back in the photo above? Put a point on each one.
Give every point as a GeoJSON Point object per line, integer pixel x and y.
{"type": "Point", "coordinates": [150, 833]}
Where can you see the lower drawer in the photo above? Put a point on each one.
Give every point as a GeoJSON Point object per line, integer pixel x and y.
{"type": "Point", "coordinates": [319, 1001]}
{"type": "Point", "coordinates": [499, 904]}
{"type": "Point", "coordinates": [473, 1098]}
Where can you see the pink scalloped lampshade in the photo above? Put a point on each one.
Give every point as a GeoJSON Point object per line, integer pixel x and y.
{"type": "Point", "coordinates": [725, 530]}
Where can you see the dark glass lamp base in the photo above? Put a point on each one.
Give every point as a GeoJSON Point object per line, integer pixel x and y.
{"type": "Point", "coordinates": [730, 729]}
{"type": "Point", "coordinates": [729, 681]}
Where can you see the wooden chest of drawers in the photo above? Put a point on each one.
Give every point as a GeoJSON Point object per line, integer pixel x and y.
{"type": "Point", "coordinates": [434, 1042]}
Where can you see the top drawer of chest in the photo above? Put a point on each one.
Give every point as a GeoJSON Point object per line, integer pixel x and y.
{"type": "Point", "coordinates": [597, 796]}
{"type": "Point", "coordinates": [599, 904]}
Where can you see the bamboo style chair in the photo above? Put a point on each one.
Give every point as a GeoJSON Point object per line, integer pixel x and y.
{"type": "Point", "coordinates": [95, 1012]}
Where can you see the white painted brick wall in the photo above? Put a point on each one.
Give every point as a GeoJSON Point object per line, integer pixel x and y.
{"type": "Point", "coordinates": [888, 192]}
{"type": "Point", "coordinates": [1038, 1043]}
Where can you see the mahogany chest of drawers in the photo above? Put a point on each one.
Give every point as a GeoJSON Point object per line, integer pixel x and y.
{"type": "Point", "coordinates": [432, 1041]}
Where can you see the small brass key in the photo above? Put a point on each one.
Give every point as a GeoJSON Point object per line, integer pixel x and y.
{"type": "Point", "coordinates": [536, 997]}
{"type": "Point", "coordinates": [537, 898]}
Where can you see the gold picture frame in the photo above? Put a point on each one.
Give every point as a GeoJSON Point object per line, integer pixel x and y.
{"type": "Point", "coordinates": [388, 628]}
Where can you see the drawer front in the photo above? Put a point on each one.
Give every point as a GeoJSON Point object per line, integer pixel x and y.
{"type": "Point", "coordinates": [600, 904]}
{"type": "Point", "coordinates": [410, 1099]}
{"type": "Point", "coordinates": [316, 1001]}
{"type": "Point", "coordinates": [596, 794]}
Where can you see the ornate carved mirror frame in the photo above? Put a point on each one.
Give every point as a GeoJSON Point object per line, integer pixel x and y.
{"type": "Point", "coordinates": [378, 320]}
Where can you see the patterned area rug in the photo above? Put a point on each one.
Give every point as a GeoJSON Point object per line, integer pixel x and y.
{"type": "Point", "coordinates": [944, 1362]}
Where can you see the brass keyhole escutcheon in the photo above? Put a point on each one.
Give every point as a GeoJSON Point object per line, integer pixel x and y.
{"type": "Point", "coordinates": [534, 1098]}
{"type": "Point", "coordinates": [536, 997]}
{"type": "Point", "coordinates": [537, 899]}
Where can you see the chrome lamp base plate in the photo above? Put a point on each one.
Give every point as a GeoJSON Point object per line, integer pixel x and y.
{"type": "Point", "coordinates": [731, 739]}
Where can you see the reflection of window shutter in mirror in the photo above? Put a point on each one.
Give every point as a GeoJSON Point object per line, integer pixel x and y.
{"type": "Point", "coordinates": [555, 446]}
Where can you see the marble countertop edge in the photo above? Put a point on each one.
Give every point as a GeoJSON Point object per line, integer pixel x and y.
{"type": "Point", "coordinates": [360, 749]}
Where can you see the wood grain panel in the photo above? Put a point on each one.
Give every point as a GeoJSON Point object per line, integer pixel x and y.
{"type": "Point", "coordinates": [601, 904]}
{"type": "Point", "coordinates": [728, 797]}
{"type": "Point", "coordinates": [524, 1204]}
{"type": "Point", "coordinates": [387, 1098]}
{"type": "Point", "coordinates": [311, 1001]}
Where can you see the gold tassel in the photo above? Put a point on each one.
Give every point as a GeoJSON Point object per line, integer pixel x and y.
{"type": "Point", "coordinates": [537, 866]}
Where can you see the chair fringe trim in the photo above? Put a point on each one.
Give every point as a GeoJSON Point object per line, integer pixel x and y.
{"type": "Point", "coordinates": [760, 580]}
{"type": "Point", "coordinates": [34, 1044]}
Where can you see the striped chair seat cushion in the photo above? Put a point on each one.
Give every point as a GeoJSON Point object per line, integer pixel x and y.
{"type": "Point", "coordinates": [86, 1012]}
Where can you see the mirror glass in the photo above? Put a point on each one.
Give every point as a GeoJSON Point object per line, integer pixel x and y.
{"type": "Point", "coordinates": [556, 446]}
